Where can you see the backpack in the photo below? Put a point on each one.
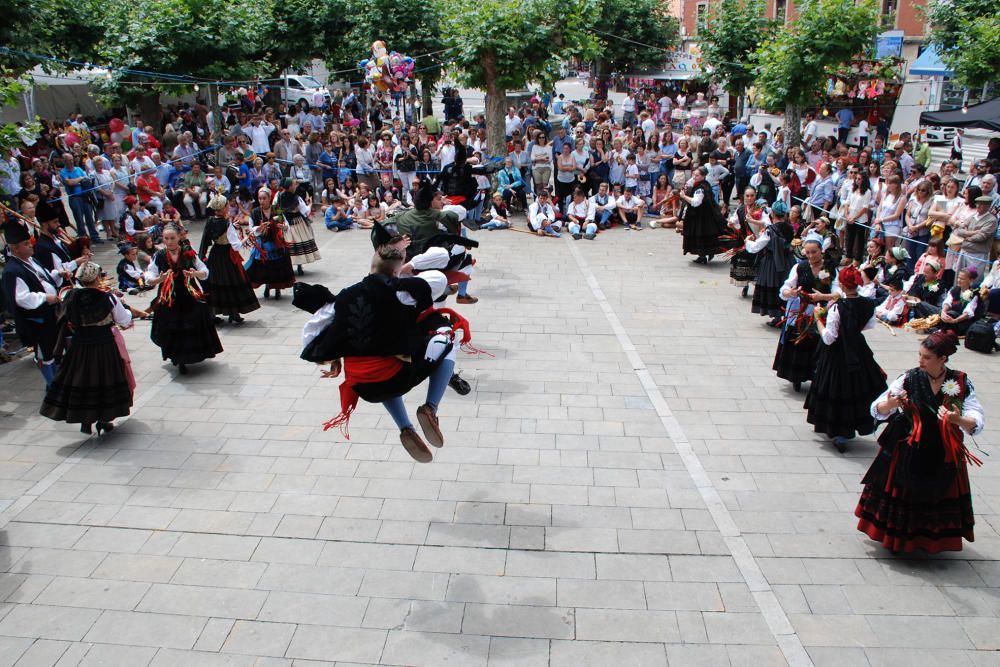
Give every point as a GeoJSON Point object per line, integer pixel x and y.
{"type": "Point", "coordinates": [981, 336]}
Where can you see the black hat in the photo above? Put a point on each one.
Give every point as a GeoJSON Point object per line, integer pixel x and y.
{"type": "Point", "coordinates": [15, 232]}
{"type": "Point", "coordinates": [894, 280]}
{"type": "Point", "coordinates": [425, 195]}
{"type": "Point", "coordinates": [380, 236]}
{"type": "Point", "coordinates": [125, 247]}
{"type": "Point", "coordinates": [310, 298]}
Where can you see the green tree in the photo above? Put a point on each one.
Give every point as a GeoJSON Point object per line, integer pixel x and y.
{"type": "Point", "coordinates": [795, 65]}
{"type": "Point", "coordinates": [502, 45]}
{"type": "Point", "coordinates": [633, 34]}
{"type": "Point", "coordinates": [410, 27]}
{"type": "Point", "coordinates": [967, 35]}
{"type": "Point", "coordinates": [56, 28]}
{"type": "Point", "coordinates": [732, 33]}
{"type": "Point", "coordinates": [13, 135]}
{"type": "Point", "coordinates": [198, 40]}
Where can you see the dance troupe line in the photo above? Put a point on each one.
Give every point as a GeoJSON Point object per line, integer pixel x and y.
{"type": "Point", "coordinates": [916, 493]}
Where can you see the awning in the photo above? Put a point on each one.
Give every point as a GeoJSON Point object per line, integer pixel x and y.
{"type": "Point", "coordinates": [985, 116]}
{"type": "Point", "coordinates": [929, 63]}
{"type": "Point", "coordinates": [665, 75]}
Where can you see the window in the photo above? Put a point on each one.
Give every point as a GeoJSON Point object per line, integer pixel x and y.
{"type": "Point", "coordinates": [700, 17]}
{"type": "Point", "coordinates": [888, 19]}
{"type": "Point", "coordinates": [780, 10]}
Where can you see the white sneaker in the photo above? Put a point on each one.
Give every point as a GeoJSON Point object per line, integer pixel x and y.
{"type": "Point", "coordinates": [653, 224]}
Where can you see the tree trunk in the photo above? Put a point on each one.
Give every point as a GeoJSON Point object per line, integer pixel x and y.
{"type": "Point", "coordinates": [793, 125]}
{"type": "Point", "coordinates": [426, 95]}
{"type": "Point", "coordinates": [151, 112]}
{"type": "Point", "coordinates": [602, 76]}
{"type": "Point", "coordinates": [496, 108]}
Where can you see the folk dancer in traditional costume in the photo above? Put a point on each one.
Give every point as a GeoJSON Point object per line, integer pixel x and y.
{"type": "Point", "coordinates": [301, 240]}
{"type": "Point", "coordinates": [269, 263]}
{"type": "Point", "coordinates": [702, 220]}
{"type": "Point", "coordinates": [183, 326]}
{"type": "Point", "coordinates": [227, 288]}
{"type": "Point", "coordinates": [131, 277]}
{"type": "Point", "coordinates": [427, 225]}
{"type": "Point", "coordinates": [916, 493]}
{"type": "Point", "coordinates": [94, 384]}
{"type": "Point", "coordinates": [773, 246]}
{"type": "Point", "coordinates": [847, 378]}
{"type": "Point", "coordinates": [748, 220]}
{"type": "Point", "coordinates": [386, 337]}
{"type": "Point", "coordinates": [811, 281]}
{"type": "Point", "coordinates": [31, 295]}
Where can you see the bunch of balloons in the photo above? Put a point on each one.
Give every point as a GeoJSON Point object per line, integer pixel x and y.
{"type": "Point", "coordinates": [387, 71]}
{"type": "Point", "coordinates": [120, 133]}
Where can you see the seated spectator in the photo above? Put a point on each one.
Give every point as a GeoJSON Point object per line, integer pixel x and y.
{"type": "Point", "coordinates": [499, 216]}
{"type": "Point", "coordinates": [602, 207]}
{"type": "Point", "coordinates": [337, 217]}
{"type": "Point", "coordinates": [511, 184]}
{"type": "Point", "coordinates": [960, 307]}
{"type": "Point", "coordinates": [542, 217]}
{"type": "Point", "coordinates": [630, 210]}
{"type": "Point", "coordinates": [579, 221]}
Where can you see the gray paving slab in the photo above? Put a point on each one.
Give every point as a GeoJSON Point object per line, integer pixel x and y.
{"type": "Point", "coordinates": [627, 483]}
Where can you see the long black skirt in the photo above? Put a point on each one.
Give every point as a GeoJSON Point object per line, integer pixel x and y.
{"type": "Point", "coordinates": [228, 289]}
{"type": "Point", "coordinates": [795, 361]}
{"type": "Point", "coordinates": [185, 331]}
{"type": "Point", "coordinates": [701, 231]}
{"type": "Point", "coordinates": [743, 268]}
{"type": "Point", "coordinates": [839, 399]}
{"type": "Point", "coordinates": [766, 301]}
{"type": "Point", "coordinates": [275, 272]}
{"type": "Point", "coordinates": [91, 385]}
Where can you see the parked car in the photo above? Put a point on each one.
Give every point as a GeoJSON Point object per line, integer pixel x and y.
{"type": "Point", "coordinates": [297, 88]}
{"type": "Point", "coordinates": [935, 134]}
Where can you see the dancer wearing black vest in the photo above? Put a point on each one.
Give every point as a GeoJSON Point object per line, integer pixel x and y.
{"type": "Point", "coordinates": [32, 294]}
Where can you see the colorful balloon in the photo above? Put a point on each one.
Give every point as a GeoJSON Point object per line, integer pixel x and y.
{"type": "Point", "coordinates": [116, 125]}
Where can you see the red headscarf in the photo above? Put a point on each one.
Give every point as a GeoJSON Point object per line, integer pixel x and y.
{"type": "Point", "coordinates": [850, 278]}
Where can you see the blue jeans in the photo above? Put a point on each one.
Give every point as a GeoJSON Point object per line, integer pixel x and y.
{"type": "Point", "coordinates": [339, 225]}
{"type": "Point", "coordinates": [494, 224]}
{"type": "Point", "coordinates": [83, 212]}
{"type": "Point", "coordinates": [435, 392]}
{"type": "Point", "coordinates": [916, 247]}
{"type": "Point", "coordinates": [604, 218]}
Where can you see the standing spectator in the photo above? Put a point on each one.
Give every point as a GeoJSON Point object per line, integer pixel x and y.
{"type": "Point", "coordinates": [541, 161]}
{"type": "Point", "coordinates": [628, 110]}
{"type": "Point", "coordinates": [259, 132]}
{"type": "Point", "coordinates": [845, 118]}
{"type": "Point", "coordinates": [956, 148]}
{"type": "Point", "coordinates": [742, 169]}
{"type": "Point", "coordinates": [73, 178]}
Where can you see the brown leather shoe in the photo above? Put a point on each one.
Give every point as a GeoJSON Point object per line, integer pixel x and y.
{"type": "Point", "coordinates": [429, 425]}
{"type": "Point", "coordinates": [466, 299]}
{"type": "Point", "coordinates": [414, 446]}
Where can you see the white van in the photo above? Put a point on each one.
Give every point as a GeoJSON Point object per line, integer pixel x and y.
{"type": "Point", "coordinates": [297, 88]}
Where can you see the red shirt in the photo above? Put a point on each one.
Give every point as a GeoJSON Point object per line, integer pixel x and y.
{"type": "Point", "coordinates": [148, 186]}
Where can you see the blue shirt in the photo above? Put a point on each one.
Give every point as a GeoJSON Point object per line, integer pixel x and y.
{"type": "Point", "coordinates": [329, 163]}
{"type": "Point", "coordinates": [822, 194]}
{"type": "Point", "coordinates": [846, 117]}
{"type": "Point", "coordinates": [75, 172]}
{"type": "Point", "coordinates": [246, 178]}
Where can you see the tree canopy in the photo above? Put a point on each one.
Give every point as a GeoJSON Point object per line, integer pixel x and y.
{"type": "Point", "coordinates": [501, 45]}
{"type": "Point", "coordinates": [967, 35]}
{"type": "Point", "coordinates": [795, 65]}
{"type": "Point", "coordinates": [648, 27]}
{"type": "Point", "coordinates": [732, 34]}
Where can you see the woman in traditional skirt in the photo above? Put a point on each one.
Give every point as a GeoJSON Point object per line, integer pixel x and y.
{"type": "Point", "coordinates": [183, 326]}
{"type": "Point", "coordinates": [702, 219]}
{"type": "Point", "coordinates": [94, 384]}
{"type": "Point", "coordinates": [301, 241]}
{"type": "Point", "coordinates": [744, 225]}
{"type": "Point", "coordinates": [227, 289]}
{"type": "Point", "coordinates": [847, 378]}
{"type": "Point", "coordinates": [809, 282]}
{"type": "Point", "coordinates": [269, 263]}
{"type": "Point", "coordinates": [916, 493]}
{"type": "Point", "coordinates": [775, 258]}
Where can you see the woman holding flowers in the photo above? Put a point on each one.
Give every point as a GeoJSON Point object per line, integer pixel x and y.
{"type": "Point", "coordinates": [916, 493]}
{"type": "Point", "coordinates": [811, 281]}
{"type": "Point", "coordinates": [847, 377]}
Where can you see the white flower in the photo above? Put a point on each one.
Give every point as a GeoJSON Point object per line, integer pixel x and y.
{"type": "Point", "coordinates": [933, 287]}
{"type": "Point", "coordinates": [950, 388]}
{"type": "Point", "coordinates": [892, 269]}
{"type": "Point", "coordinates": [967, 295]}
{"type": "Point", "coordinates": [824, 275]}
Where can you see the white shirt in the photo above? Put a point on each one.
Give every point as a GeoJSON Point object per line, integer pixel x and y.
{"type": "Point", "coordinates": [971, 406]}
{"type": "Point", "coordinates": [891, 309]}
{"type": "Point", "coordinates": [23, 295]}
{"type": "Point", "coordinates": [511, 124]}
{"type": "Point", "coordinates": [648, 127]}
{"type": "Point", "coordinates": [832, 330]}
{"type": "Point", "coordinates": [153, 271]}
{"type": "Point", "coordinates": [258, 136]}
{"type": "Point", "coordinates": [608, 206]}
{"type": "Point", "coordinates": [809, 133]}
{"type": "Point", "coordinates": [628, 104]}
{"type": "Point", "coordinates": [538, 214]}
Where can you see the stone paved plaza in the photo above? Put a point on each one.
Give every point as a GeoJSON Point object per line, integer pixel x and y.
{"type": "Point", "coordinates": [628, 484]}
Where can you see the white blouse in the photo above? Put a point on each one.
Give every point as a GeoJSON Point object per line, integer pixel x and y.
{"type": "Point", "coordinates": [832, 331]}
{"type": "Point", "coordinates": [970, 406]}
